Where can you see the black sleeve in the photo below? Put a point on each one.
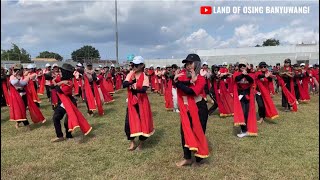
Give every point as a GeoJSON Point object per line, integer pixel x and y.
{"type": "Point", "coordinates": [94, 77]}
{"type": "Point", "coordinates": [187, 83]}
{"type": "Point", "coordinates": [127, 83]}
{"type": "Point", "coordinates": [143, 90]}
{"type": "Point", "coordinates": [185, 88]}
{"type": "Point", "coordinates": [58, 89]}
{"type": "Point", "coordinates": [261, 76]}
{"type": "Point", "coordinates": [249, 79]}
{"type": "Point", "coordinates": [238, 78]}
{"type": "Point", "coordinates": [269, 78]}
{"type": "Point", "coordinates": [48, 77]}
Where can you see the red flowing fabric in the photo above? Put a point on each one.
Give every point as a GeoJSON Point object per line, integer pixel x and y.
{"type": "Point", "coordinates": [106, 95]}
{"type": "Point", "coordinates": [35, 113]}
{"type": "Point", "coordinates": [140, 124]}
{"type": "Point", "coordinates": [89, 94]}
{"type": "Point", "coordinates": [168, 95]}
{"type": "Point", "coordinates": [305, 86]}
{"type": "Point", "coordinates": [118, 82]}
{"type": "Point", "coordinates": [271, 87]}
{"type": "Point", "coordinates": [32, 91]}
{"type": "Point", "coordinates": [160, 85]}
{"type": "Point", "coordinates": [230, 85]}
{"type": "Point", "coordinates": [97, 98]}
{"type": "Point", "coordinates": [5, 92]}
{"type": "Point", "coordinates": [108, 84]}
{"type": "Point", "coordinates": [194, 136]}
{"type": "Point", "coordinates": [270, 108]}
{"type": "Point", "coordinates": [41, 85]}
{"type": "Point", "coordinates": [76, 86]}
{"type": "Point", "coordinates": [17, 106]}
{"type": "Point", "coordinates": [226, 99]}
{"type": "Point", "coordinates": [289, 96]}
{"type": "Point", "coordinates": [75, 117]}
{"type": "Point", "coordinates": [222, 109]}
{"type": "Point", "coordinates": [54, 97]}
{"type": "Point", "coordinates": [238, 114]}
{"type": "Point", "coordinates": [302, 93]}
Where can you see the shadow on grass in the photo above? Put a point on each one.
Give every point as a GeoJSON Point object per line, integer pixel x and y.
{"type": "Point", "coordinates": [154, 139]}
{"type": "Point", "coordinates": [84, 139]}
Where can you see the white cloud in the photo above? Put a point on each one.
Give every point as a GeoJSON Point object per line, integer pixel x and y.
{"type": "Point", "coordinates": [296, 22]}
{"type": "Point", "coordinates": [232, 17]}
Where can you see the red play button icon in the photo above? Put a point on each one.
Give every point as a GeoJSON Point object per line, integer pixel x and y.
{"type": "Point", "coordinates": [205, 10]}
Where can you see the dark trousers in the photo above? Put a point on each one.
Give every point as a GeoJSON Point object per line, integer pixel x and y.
{"type": "Point", "coordinates": [3, 100]}
{"type": "Point", "coordinates": [127, 126]}
{"type": "Point", "coordinates": [296, 91]}
{"type": "Point", "coordinates": [203, 116]}
{"type": "Point", "coordinates": [284, 101]}
{"type": "Point", "coordinates": [48, 91]}
{"type": "Point", "coordinates": [26, 122]}
{"type": "Point", "coordinates": [59, 112]}
{"type": "Point", "coordinates": [80, 93]}
{"type": "Point", "coordinates": [261, 107]}
{"type": "Point", "coordinates": [215, 105]}
{"type": "Point", "coordinates": [245, 107]}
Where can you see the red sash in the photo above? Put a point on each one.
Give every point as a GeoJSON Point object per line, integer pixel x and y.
{"type": "Point", "coordinates": [75, 117]}
{"type": "Point", "coordinates": [168, 95]}
{"type": "Point", "coordinates": [291, 98]}
{"type": "Point", "coordinates": [41, 85]}
{"type": "Point", "coordinates": [194, 136]}
{"type": "Point", "coordinates": [76, 86]}
{"type": "Point", "coordinates": [106, 95]}
{"type": "Point", "coordinates": [89, 94]}
{"type": "Point", "coordinates": [140, 124]}
{"type": "Point", "coordinates": [18, 109]}
{"type": "Point", "coordinates": [271, 110]}
{"type": "Point", "coordinates": [5, 92]}
{"type": "Point", "coordinates": [33, 92]}
{"type": "Point", "coordinates": [238, 114]}
{"type": "Point", "coordinates": [98, 99]}
{"type": "Point", "coordinates": [17, 106]}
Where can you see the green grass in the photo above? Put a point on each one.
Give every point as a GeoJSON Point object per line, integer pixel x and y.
{"type": "Point", "coordinates": [284, 149]}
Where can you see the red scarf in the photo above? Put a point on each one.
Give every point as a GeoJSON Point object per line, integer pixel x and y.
{"type": "Point", "coordinates": [221, 105]}
{"type": "Point", "coordinates": [108, 83]}
{"type": "Point", "coordinates": [75, 117]}
{"type": "Point", "coordinates": [168, 95]}
{"type": "Point", "coordinates": [270, 108]}
{"type": "Point", "coordinates": [118, 81]}
{"type": "Point", "coordinates": [141, 124]}
{"type": "Point", "coordinates": [98, 99]}
{"type": "Point", "coordinates": [226, 99]}
{"type": "Point", "coordinates": [33, 92]}
{"type": "Point", "coordinates": [239, 115]}
{"type": "Point", "coordinates": [5, 92]}
{"type": "Point", "coordinates": [18, 109]}
{"type": "Point", "coordinates": [291, 98]}
{"type": "Point", "coordinates": [194, 136]}
{"type": "Point", "coordinates": [41, 85]}
{"type": "Point", "coordinates": [106, 95]}
{"type": "Point", "coordinates": [89, 94]}
{"type": "Point", "coordinates": [76, 86]}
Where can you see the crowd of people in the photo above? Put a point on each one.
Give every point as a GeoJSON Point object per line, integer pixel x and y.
{"type": "Point", "coordinates": [232, 89]}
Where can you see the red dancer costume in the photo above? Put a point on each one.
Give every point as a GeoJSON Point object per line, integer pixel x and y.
{"type": "Point", "coordinates": [20, 98]}
{"type": "Point", "coordinates": [193, 110]}
{"type": "Point", "coordinates": [139, 121]}
{"type": "Point", "coordinates": [286, 75]}
{"type": "Point", "coordinates": [67, 104]}
{"type": "Point", "coordinates": [244, 102]}
{"type": "Point", "coordinates": [266, 107]}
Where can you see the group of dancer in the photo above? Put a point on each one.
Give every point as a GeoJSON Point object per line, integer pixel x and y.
{"type": "Point", "coordinates": [187, 90]}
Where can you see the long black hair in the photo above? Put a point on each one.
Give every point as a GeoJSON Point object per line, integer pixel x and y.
{"type": "Point", "coordinates": [66, 75]}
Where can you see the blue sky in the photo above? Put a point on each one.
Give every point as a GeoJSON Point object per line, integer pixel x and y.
{"type": "Point", "coordinates": [152, 29]}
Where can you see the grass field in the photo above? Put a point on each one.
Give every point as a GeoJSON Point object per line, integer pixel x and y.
{"type": "Point", "coordinates": [284, 149]}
